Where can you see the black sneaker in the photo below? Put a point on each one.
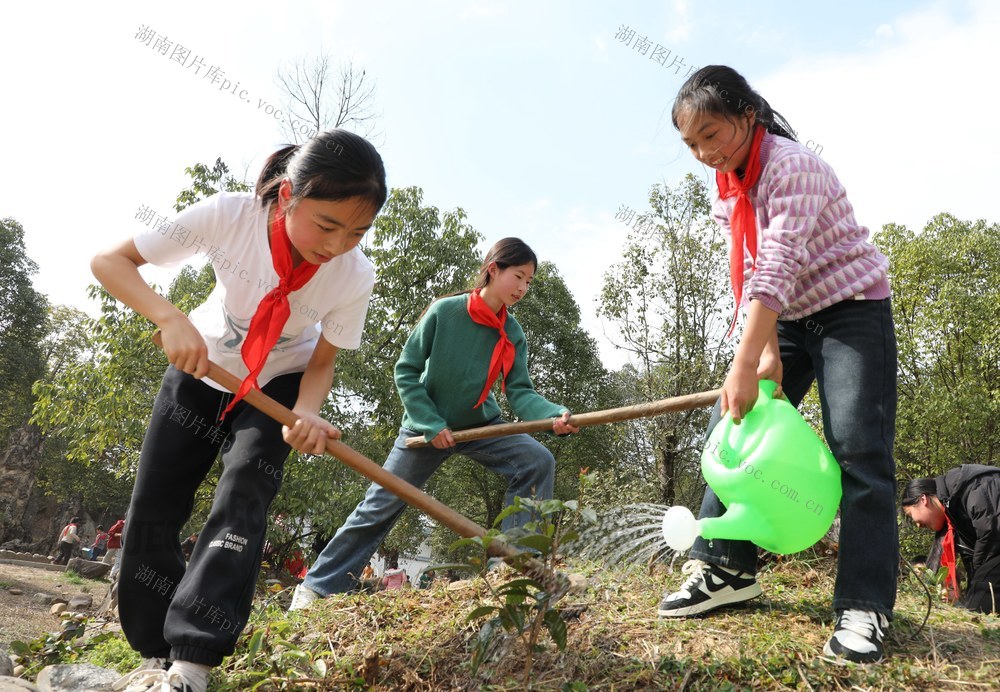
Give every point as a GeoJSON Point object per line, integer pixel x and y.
{"type": "Point", "coordinates": [858, 636]}
{"type": "Point", "coordinates": [709, 587]}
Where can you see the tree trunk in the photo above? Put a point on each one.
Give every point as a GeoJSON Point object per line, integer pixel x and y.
{"type": "Point", "coordinates": [18, 467]}
{"type": "Point", "coordinates": [667, 468]}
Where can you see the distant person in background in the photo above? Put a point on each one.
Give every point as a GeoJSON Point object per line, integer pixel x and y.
{"type": "Point", "coordinates": [114, 547]}
{"type": "Point", "coordinates": [963, 508]}
{"type": "Point", "coordinates": [187, 546]}
{"type": "Point", "coordinates": [394, 577]}
{"type": "Point", "coordinates": [68, 540]}
{"type": "Point", "coordinates": [100, 545]}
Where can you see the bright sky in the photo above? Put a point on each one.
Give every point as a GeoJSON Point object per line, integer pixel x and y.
{"type": "Point", "coordinates": [531, 116]}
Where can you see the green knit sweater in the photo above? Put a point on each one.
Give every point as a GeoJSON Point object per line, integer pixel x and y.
{"type": "Point", "coordinates": [442, 371]}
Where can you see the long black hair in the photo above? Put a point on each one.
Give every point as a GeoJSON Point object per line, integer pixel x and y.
{"type": "Point", "coordinates": [724, 91]}
{"type": "Point", "coordinates": [917, 488]}
{"type": "Point", "coordinates": [333, 165]}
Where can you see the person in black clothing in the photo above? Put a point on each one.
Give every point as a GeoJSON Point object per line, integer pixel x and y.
{"type": "Point", "coordinates": [187, 546]}
{"type": "Point", "coordinates": [964, 502]}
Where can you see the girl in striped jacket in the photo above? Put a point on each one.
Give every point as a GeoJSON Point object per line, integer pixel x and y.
{"type": "Point", "coordinates": [816, 295]}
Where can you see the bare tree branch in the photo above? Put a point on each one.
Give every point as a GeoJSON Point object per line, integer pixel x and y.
{"type": "Point", "coordinates": [316, 99]}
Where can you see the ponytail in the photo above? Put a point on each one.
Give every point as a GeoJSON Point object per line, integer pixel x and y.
{"type": "Point", "coordinates": [724, 91]}
{"type": "Point", "coordinates": [271, 175]}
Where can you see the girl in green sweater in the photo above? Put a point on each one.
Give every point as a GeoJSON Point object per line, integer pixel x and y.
{"type": "Point", "coordinates": [459, 348]}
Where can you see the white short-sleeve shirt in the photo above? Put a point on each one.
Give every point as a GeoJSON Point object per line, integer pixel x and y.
{"type": "Point", "coordinates": [230, 228]}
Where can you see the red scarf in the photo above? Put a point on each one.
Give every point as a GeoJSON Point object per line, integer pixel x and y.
{"type": "Point", "coordinates": [743, 222]}
{"type": "Point", "coordinates": [502, 359]}
{"type": "Point", "coordinates": [273, 310]}
{"type": "Point", "coordinates": [948, 560]}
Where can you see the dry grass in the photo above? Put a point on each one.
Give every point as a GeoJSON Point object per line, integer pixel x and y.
{"type": "Point", "coordinates": [420, 640]}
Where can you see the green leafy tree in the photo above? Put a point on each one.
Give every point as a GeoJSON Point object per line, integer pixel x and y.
{"type": "Point", "coordinates": [206, 181]}
{"type": "Point", "coordinates": [22, 362]}
{"type": "Point", "coordinates": [669, 299]}
{"type": "Point", "coordinates": [95, 487]}
{"type": "Point", "coordinates": [22, 328]}
{"type": "Point", "coordinates": [946, 305]}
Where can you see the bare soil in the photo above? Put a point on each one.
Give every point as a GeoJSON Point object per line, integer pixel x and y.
{"type": "Point", "coordinates": [21, 617]}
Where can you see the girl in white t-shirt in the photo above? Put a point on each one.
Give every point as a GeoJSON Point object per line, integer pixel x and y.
{"type": "Point", "coordinates": [292, 288]}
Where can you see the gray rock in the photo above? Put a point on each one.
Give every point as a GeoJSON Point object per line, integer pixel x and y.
{"type": "Point", "coordinates": [12, 684]}
{"type": "Point", "coordinates": [80, 602]}
{"type": "Point", "coordinates": [88, 568]}
{"type": "Point", "coordinates": [43, 598]}
{"type": "Point", "coordinates": [83, 677]}
{"type": "Point", "coordinates": [578, 583]}
{"type": "Point", "coordinates": [6, 665]}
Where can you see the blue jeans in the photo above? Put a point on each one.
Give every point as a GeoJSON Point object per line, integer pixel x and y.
{"type": "Point", "coordinates": [528, 466]}
{"type": "Point", "coordinates": [850, 350]}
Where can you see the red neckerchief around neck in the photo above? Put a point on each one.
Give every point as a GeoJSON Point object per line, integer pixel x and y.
{"type": "Point", "coordinates": [743, 222]}
{"type": "Point", "coordinates": [502, 359]}
{"type": "Point", "coordinates": [949, 561]}
{"type": "Point", "coordinates": [273, 311]}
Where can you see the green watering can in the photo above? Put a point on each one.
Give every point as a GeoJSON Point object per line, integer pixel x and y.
{"type": "Point", "coordinates": [779, 482]}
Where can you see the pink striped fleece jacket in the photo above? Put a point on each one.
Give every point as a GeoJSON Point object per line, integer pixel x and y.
{"type": "Point", "coordinates": [811, 251]}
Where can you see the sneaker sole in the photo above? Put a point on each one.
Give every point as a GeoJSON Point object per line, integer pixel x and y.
{"type": "Point", "coordinates": [745, 594]}
{"type": "Point", "coordinates": [828, 651]}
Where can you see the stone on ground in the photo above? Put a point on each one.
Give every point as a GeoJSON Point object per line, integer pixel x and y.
{"type": "Point", "coordinates": [12, 684]}
{"type": "Point", "coordinates": [83, 677]}
{"type": "Point", "coordinates": [88, 568]}
{"type": "Point", "coordinates": [81, 602]}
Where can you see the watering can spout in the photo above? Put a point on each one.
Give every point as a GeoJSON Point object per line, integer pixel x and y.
{"type": "Point", "coordinates": [737, 524]}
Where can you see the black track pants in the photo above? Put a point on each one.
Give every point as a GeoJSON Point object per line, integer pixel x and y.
{"type": "Point", "coordinates": [196, 613]}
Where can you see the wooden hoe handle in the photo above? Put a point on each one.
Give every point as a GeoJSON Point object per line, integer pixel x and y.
{"type": "Point", "coordinates": [410, 494]}
{"type": "Point", "coordinates": [581, 420]}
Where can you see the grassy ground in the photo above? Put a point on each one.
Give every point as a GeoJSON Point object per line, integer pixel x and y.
{"type": "Point", "coordinates": [421, 640]}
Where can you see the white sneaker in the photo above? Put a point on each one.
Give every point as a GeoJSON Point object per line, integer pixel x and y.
{"type": "Point", "coordinates": [858, 636]}
{"type": "Point", "coordinates": [184, 676]}
{"type": "Point", "coordinates": [708, 587]}
{"type": "Point", "coordinates": [302, 597]}
{"type": "Point", "coordinates": [149, 673]}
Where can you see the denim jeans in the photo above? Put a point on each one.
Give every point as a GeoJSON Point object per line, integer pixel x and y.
{"type": "Point", "coordinates": [850, 350]}
{"type": "Point", "coordinates": [528, 466]}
